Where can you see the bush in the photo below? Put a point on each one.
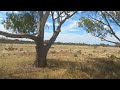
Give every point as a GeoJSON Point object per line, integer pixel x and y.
{"type": "Point", "coordinates": [79, 51]}
{"type": "Point", "coordinates": [118, 52]}
{"type": "Point", "coordinates": [95, 47]}
{"type": "Point", "coordinates": [10, 48]}
{"type": "Point", "coordinates": [75, 55]}
{"type": "Point", "coordinates": [21, 49]}
{"type": "Point", "coordinates": [53, 52]}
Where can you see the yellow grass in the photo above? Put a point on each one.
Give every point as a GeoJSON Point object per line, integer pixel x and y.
{"type": "Point", "coordinates": [64, 62]}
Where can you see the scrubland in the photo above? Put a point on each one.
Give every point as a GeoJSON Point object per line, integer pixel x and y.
{"type": "Point", "coordinates": [64, 62]}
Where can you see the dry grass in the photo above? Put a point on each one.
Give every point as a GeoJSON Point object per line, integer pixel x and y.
{"type": "Point", "coordinates": [64, 62]}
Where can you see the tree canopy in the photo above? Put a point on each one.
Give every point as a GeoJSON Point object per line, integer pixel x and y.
{"type": "Point", "coordinates": [31, 25]}
{"type": "Point", "coordinates": [21, 22]}
{"type": "Point", "coordinates": [99, 23]}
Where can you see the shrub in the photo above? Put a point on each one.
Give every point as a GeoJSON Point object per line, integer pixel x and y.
{"type": "Point", "coordinates": [53, 52]}
{"type": "Point", "coordinates": [118, 52]}
{"type": "Point", "coordinates": [104, 50]}
{"type": "Point", "coordinates": [90, 54]}
{"type": "Point", "coordinates": [10, 48]}
{"type": "Point", "coordinates": [113, 56]}
{"type": "Point", "coordinates": [79, 51]}
{"type": "Point", "coordinates": [21, 49]}
{"type": "Point", "coordinates": [75, 55]}
{"type": "Point", "coordinates": [95, 47]}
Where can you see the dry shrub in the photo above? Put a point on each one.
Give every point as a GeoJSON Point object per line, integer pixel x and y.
{"type": "Point", "coordinates": [113, 56]}
{"type": "Point", "coordinates": [90, 54]}
{"type": "Point", "coordinates": [79, 51]}
{"type": "Point", "coordinates": [118, 52]}
{"type": "Point", "coordinates": [16, 48]}
{"type": "Point", "coordinates": [10, 48]}
{"type": "Point", "coordinates": [53, 52]}
{"type": "Point", "coordinates": [21, 49]}
{"type": "Point", "coordinates": [95, 47]}
{"type": "Point", "coordinates": [104, 50]}
{"type": "Point", "coordinates": [75, 55]}
{"type": "Point", "coordinates": [94, 51]}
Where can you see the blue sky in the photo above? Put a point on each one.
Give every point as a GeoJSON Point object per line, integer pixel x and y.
{"type": "Point", "coordinates": [70, 32]}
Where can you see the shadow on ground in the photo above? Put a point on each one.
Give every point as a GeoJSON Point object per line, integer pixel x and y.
{"type": "Point", "coordinates": [95, 68]}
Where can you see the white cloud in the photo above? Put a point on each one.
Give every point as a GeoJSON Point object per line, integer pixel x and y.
{"type": "Point", "coordinates": [55, 15]}
{"type": "Point", "coordinates": [73, 30]}
{"type": "Point", "coordinates": [47, 35]}
{"type": "Point", "coordinates": [76, 38]}
{"type": "Point", "coordinates": [118, 33]}
{"type": "Point", "coordinates": [51, 24]}
{"type": "Point", "coordinates": [1, 18]}
{"type": "Point", "coordinates": [86, 38]}
{"type": "Point", "coordinates": [112, 38]}
{"type": "Point", "coordinates": [105, 26]}
{"type": "Point", "coordinates": [2, 28]}
{"type": "Point", "coordinates": [71, 26]}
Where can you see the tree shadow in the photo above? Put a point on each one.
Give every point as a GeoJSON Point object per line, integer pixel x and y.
{"type": "Point", "coordinates": [94, 67]}
{"type": "Point", "coordinates": [107, 64]}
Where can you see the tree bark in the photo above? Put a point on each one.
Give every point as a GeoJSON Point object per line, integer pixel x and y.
{"type": "Point", "coordinates": [41, 54]}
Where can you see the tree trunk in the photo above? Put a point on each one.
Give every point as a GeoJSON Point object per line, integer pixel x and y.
{"type": "Point", "coordinates": [41, 54]}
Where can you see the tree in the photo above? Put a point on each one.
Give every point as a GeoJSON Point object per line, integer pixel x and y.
{"type": "Point", "coordinates": [99, 24]}
{"type": "Point", "coordinates": [31, 25]}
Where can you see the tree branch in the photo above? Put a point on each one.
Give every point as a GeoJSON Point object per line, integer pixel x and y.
{"type": "Point", "coordinates": [56, 33]}
{"type": "Point", "coordinates": [59, 15]}
{"type": "Point", "coordinates": [109, 41]}
{"type": "Point", "coordinates": [103, 39]}
{"type": "Point", "coordinates": [98, 21]}
{"type": "Point", "coordinates": [113, 19]}
{"type": "Point", "coordinates": [42, 20]}
{"type": "Point", "coordinates": [45, 17]}
{"type": "Point", "coordinates": [17, 35]}
{"type": "Point", "coordinates": [113, 33]}
{"type": "Point", "coordinates": [41, 24]}
{"type": "Point", "coordinates": [59, 26]}
{"type": "Point", "coordinates": [52, 39]}
{"type": "Point", "coordinates": [53, 21]}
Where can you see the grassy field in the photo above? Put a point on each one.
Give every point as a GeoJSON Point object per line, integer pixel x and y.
{"type": "Point", "coordinates": [64, 62]}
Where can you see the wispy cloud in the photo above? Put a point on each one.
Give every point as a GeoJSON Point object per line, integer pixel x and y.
{"type": "Point", "coordinates": [112, 38]}
{"type": "Point", "coordinates": [2, 28]}
{"type": "Point", "coordinates": [86, 38]}
{"type": "Point", "coordinates": [75, 38]}
{"type": "Point", "coordinates": [71, 26]}
{"type": "Point", "coordinates": [50, 24]}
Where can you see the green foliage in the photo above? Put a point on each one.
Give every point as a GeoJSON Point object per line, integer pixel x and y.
{"type": "Point", "coordinates": [94, 27]}
{"type": "Point", "coordinates": [97, 22]}
{"type": "Point", "coordinates": [21, 22]}
{"type": "Point", "coordinates": [115, 15]}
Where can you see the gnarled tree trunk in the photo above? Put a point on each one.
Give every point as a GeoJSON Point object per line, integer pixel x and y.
{"type": "Point", "coordinates": [42, 49]}
{"type": "Point", "coordinates": [41, 54]}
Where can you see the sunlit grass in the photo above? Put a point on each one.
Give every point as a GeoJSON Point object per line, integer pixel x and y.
{"type": "Point", "coordinates": [64, 62]}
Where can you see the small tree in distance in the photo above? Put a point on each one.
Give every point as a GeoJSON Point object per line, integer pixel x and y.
{"type": "Point", "coordinates": [31, 25]}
